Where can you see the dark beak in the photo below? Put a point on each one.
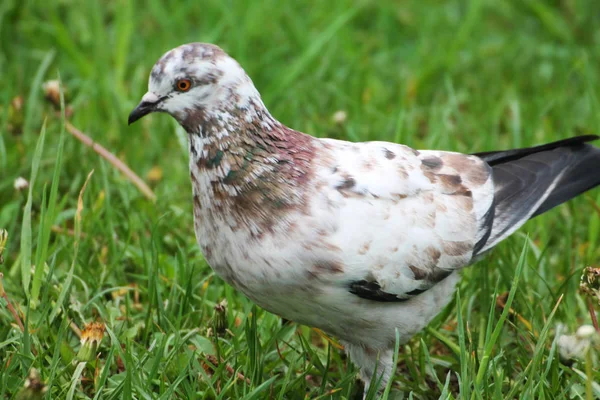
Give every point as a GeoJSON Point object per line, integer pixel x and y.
{"type": "Point", "coordinates": [146, 106]}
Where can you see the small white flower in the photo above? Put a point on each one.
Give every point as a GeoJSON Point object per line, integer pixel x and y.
{"type": "Point", "coordinates": [52, 91]}
{"type": "Point", "coordinates": [339, 117]}
{"type": "Point", "coordinates": [51, 85]}
{"type": "Point", "coordinates": [576, 346]}
{"type": "Point", "coordinates": [585, 331]}
{"type": "Point", "coordinates": [21, 184]}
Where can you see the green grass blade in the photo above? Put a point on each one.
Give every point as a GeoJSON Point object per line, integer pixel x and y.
{"type": "Point", "coordinates": [67, 284]}
{"type": "Point", "coordinates": [75, 380]}
{"type": "Point", "coordinates": [35, 88]}
{"type": "Point", "coordinates": [489, 346]}
{"type": "Point", "coordinates": [105, 372]}
{"type": "Point", "coordinates": [444, 339]}
{"type": "Point", "coordinates": [51, 208]}
{"type": "Point", "coordinates": [465, 359]}
{"type": "Point", "coordinates": [56, 355]}
{"type": "Point", "coordinates": [388, 387]}
{"type": "Point", "coordinates": [257, 393]}
{"type": "Point", "coordinates": [26, 227]}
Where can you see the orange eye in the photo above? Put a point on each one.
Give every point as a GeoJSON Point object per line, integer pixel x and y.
{"type": "Point", "coordinates": [183, 85]}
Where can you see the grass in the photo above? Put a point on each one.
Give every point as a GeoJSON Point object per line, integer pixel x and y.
{"type": "Point", "coordinates": [464, 76]}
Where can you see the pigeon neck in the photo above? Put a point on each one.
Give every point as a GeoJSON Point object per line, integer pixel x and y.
{"type": "Point", "coordinates": [243, 159]}
{"type": "Point", "coordinates": [225, 134]}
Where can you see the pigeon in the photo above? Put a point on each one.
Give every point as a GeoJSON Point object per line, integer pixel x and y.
{"type": "Point", "coordinates": [361, 240]}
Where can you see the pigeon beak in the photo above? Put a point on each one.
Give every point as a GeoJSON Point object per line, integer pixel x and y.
{"type": "Point", "coordinates": [146, 106]}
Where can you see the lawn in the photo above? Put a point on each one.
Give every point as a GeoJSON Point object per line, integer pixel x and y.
{"type": "Point", "coordinates": [457, 75]}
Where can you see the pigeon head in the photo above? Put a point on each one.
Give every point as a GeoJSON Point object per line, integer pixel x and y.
{"type": "Point", "coordinates": [193, 82]}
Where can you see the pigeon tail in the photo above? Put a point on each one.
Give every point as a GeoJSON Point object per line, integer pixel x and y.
{"type": "Point", "coordinates": [531, 181]}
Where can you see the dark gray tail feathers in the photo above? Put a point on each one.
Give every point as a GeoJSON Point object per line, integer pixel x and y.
{"type": "Point", "coordinates": [531, 181]}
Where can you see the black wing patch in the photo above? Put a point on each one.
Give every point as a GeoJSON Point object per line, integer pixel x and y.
{"type": "Point", "coordinates": [371, 290]}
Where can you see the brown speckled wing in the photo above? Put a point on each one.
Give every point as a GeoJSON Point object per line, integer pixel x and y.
{"type": "Point", "coordinates": [408, 218]}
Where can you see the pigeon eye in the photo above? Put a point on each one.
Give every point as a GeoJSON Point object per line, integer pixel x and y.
{"type": "Point", "coordinates": [183, 85]}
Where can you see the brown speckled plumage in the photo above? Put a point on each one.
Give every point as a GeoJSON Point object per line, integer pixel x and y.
{"type": "Point", "coordinates": [264, 169]}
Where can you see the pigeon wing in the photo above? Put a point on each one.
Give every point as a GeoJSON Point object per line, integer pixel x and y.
{"type": "Point", "coordinates": [404, 219]}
